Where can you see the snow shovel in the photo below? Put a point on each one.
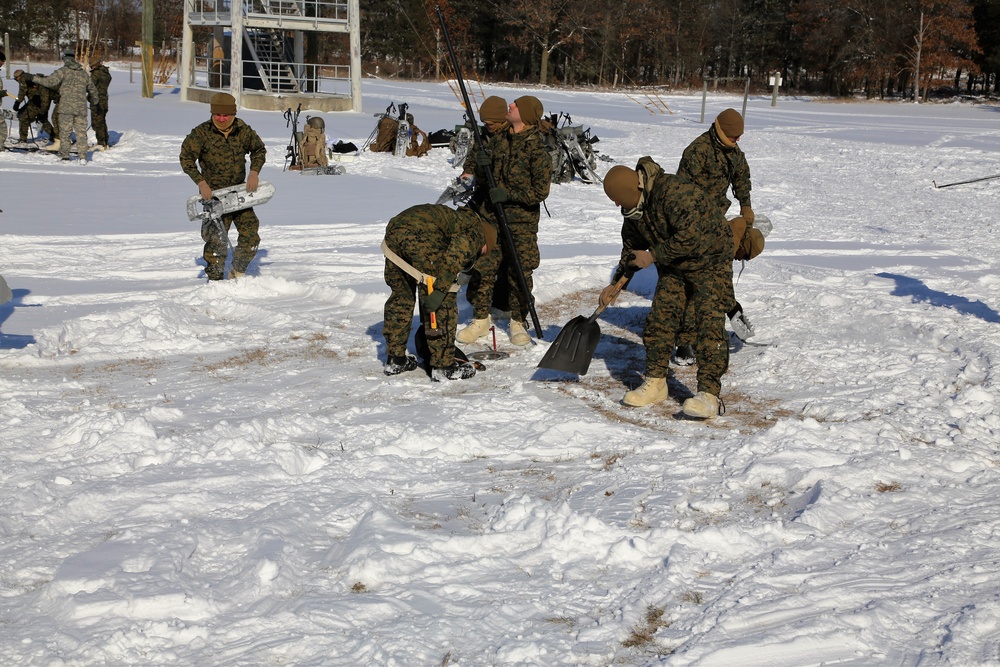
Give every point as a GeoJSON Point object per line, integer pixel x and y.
{"type": "Point", "coordinates": [574, 347]}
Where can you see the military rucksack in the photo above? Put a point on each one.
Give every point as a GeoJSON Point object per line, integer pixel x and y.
{"type": "Point", "coordinates": [312, 144]}
{"type": "Point", "coordinates": [385, 139]}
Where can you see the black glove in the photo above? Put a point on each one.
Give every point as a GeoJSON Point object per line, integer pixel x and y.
{"type": "Point", "coordinates": [434, 300]}
{"type": "Point", "coordinates": [17, 107]}
{"type": "Point", "coordinates": [482, 159]}
{"type": "Point", "coordinates": [498, 195]}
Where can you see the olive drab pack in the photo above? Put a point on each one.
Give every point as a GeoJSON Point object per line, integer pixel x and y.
{"type": "Point", "coordinates": [312, 144]}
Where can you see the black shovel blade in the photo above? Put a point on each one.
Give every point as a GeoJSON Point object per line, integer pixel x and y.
{"type": "Point", "coordinates": [574, 347]}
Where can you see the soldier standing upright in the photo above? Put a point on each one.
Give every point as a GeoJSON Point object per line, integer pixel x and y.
{"type": "Point", "coordinates": [522, 170]}
{"type": "Point", "coordinates": [670, 222]}
{"type": "Point", "coordinates": [101, 77]}
{"type": "Point", "coordinates": [75, 88]}
{"type": "Point", "coordinates": [220, 146]}
{"type": "Point", "coordinates": [32, 106]}
{"type": "Point", "coordinates": [715, 162]}
{"type": "Point", "coordinates": [3, 94]}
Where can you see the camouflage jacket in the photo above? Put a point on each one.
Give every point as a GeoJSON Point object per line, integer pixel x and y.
{"type": "Point", "coordinates": [523, 168]}
{"type": "Point", "coordinates": [221, 158]}
{"type": "Point", "coordinates": [469, 166]}
{"type": "Point", "coordinates": [102, 81]}
{"type": "Point", "coordinates": [30, 93]}
{"type": "Point", "coordinates": [680, 225]}
{"type": "Point", "coordinates": [439, 241]}
{"type": "Point", "coordinates": [715, 167]}
{"type": "Point", "coordinates": [74, 86]}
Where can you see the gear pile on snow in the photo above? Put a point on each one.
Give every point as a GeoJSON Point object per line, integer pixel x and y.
{"type": "Point", "coordinates": [399, 135]}
{"type": "Point", "coordinates": [571, 148]}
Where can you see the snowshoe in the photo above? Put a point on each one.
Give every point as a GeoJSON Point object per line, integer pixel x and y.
{"type": "Point", "coordinates": [395, 365]}
{"type": "Point", "coordinates": [741, 324]}
{"type": "Point", "coordinates": [684, 356]}
{"type": "Point", "coordinates": [459, 370]}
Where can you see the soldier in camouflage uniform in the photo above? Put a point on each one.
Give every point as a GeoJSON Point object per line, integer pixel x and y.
{"type": "Point", "coordinates": [3, 94]}
{"type": "Point", "coordinates": [219, 146]}
{"type": "Point", "coordinates": [715, 162]}
{"type": "Point", "coordinates": [101, 77]}
{"type": "Point", "coordinates": [670, 222]}
{"type": "Point", "coordinates": [426, 246]}
{"type": "Point", "coordinates": [32, 106]}
{"type": "Point", "coordinates": [493, 113]}
{"type": "Point", "coordinates": [522, 170]}
{"type": "Point", "coordinates": [75, 88]}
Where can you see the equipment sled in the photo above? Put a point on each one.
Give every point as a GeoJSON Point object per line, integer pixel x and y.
{"type": "Point", "coordinates": [229, 200]}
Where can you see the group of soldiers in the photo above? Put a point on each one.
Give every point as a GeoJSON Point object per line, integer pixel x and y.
{"type": "Point", "coordinates": [675, 222]}
{"type": "Point", "coordinates": [71, 89]}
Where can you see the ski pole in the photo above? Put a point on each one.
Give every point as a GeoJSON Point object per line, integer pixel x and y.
{"type": "Point", "coordinates": [974, 180]}
{"type": "Point", "coordinates": [501, 216]}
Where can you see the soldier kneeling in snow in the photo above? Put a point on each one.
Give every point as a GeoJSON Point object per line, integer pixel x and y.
{"type": "Point", "coordinates": [426, 247]}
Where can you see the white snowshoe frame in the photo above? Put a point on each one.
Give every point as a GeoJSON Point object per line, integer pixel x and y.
{"type": "Point", "coordinates": [229, 200]}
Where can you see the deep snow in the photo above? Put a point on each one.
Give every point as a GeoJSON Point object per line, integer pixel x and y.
{"type": "Point", "coordinates": [220, 474]}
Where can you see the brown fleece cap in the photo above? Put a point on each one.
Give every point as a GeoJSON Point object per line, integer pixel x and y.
{"type": "Point", "coordinates": [621, 185]}
{"type": "Point", "coordinates": [530, 109]}
{"type": "Point", "coordinates": [223, 103]}
{"type": "Point", "coordinates": [731, 122]}
{"type": "Point", "coordinates": [493, 110]}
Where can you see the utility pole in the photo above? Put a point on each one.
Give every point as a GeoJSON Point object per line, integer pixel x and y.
{"type": "Point", "coordinates": [147, 48]}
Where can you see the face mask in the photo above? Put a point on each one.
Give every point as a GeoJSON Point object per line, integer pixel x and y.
{"type": "Point", "coordinates": [635, 213]}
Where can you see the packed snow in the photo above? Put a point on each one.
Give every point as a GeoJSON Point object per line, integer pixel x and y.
{"type": "Point", "coordinates": [220, 474]}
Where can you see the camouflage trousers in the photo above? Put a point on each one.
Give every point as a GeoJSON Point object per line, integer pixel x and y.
{"type": "Point", "coordinates": [69, 123]}
{"type": "Point", "coordinates": [99, 122]}
{"type": "Point", "coordinates": [398, 313]}
{"type": "Point", "coordinates": [708, 292]}
{"type": "Point", "coordinates": [216, 240]}
{"type": "Point", "coordinates": [688, 334]}
{"type": "Point", "coordinates": [33, 114]}
{"type": "Point", "coordinates": [486, 274]}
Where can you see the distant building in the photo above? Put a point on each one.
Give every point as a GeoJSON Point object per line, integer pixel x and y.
{"type": "Point", "coordinates": [267, 53]}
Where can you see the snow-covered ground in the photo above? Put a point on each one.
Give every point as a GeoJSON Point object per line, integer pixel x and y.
{"type": "Point", "coordinates": [220, 474]}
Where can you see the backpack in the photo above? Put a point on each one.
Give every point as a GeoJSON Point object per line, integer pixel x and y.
{"type": "Point", "coordinates": [419, 143]}
{"type": "Point", "coordinates": [385, 140]}
{"type": "Point", "coordinates": [312, 144]}
{"type": "Point", "coordinates": [748, 241]}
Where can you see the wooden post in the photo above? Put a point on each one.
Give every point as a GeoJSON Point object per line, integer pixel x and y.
{"type": "Point", "coordinates": [147, 48]}
{"type": "Point", "coordinates": [704, 96]}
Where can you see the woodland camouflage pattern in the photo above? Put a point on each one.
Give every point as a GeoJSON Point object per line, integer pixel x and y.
{"type": "Point", "coordinates": [715, 167]}
{"type": "Point", "coordinates": [693, 244]}
{"type": "Point", "coordinates": [523, 168]}
{"type": "Point", "coordinates": [222, 162]}
{"type": "Point", "coordinates": [101, 77]}
{"type": "Point", "coordinates": [438, 241]}
{"type": "Point", "coordinates": [34, 101]}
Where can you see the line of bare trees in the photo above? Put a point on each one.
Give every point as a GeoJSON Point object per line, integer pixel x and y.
{"type": "Point", "coordinates": [878, 48]}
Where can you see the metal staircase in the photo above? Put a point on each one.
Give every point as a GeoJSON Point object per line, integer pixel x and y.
{"type": "Point", "coordinates": [267, 49]}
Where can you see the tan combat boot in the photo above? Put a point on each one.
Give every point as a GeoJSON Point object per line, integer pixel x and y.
{"type": "Point", "coordinates": [518, 334]}
{"type": "Point", "coordinates": [54, 146]}
{"type": "Point", "coordinates": [475, 331]}
{"type": "Point", "coordinates": [653, 390]}
{"type": "Point", "coordinates": [702, 405]}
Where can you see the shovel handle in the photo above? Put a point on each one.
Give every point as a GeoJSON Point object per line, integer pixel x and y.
{"type": "Point", "coordinates": [619, 286]}
{"type": "Point", "coordinates": [430, 290]}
